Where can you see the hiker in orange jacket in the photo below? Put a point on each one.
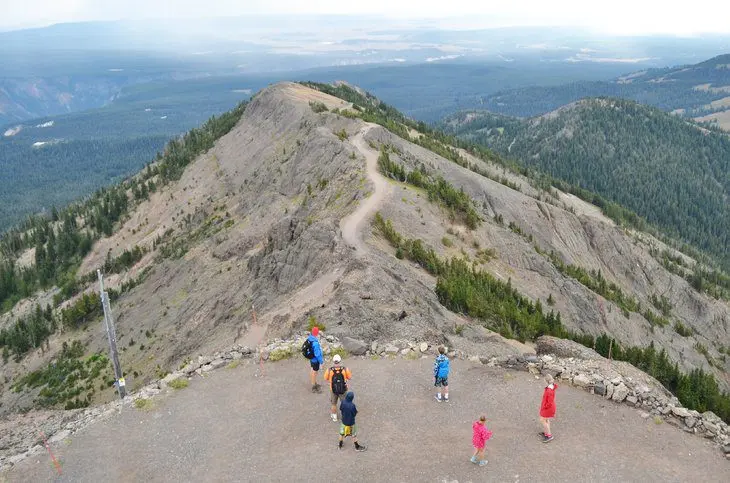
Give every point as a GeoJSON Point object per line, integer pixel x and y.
{"type": "Point", "coordinates": [337, 376]}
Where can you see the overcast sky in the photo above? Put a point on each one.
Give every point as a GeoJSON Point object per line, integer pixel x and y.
{"type": "Point", "coordinates": [609, 16]}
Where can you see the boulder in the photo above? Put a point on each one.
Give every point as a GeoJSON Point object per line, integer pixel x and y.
{"type": "Point", "coordinates": [632, 400]}
{"type": "Point", "coordinates": [355, 347]}
{"type": "Point", "coordinates": [600, 389]}
{"type": "Point", "coordinates": [620, 393]}
{"type": "Point", "coordinates": [374, 347]}
{"type": "Point", "coordinates": [405, 351]}
{"type": "Point", "coordinates": [609, 390]}
{"type": "Point", "coordinates": [392, 350]}
{"type": "Point", "coordinates": [423, 347]}
{"type": "Point", "coordinates": [582, 380]}
{"type": "Point", "coordinates": [680, 412]}
{"type": "Point", "coordinates": [690, 422]}
{"type": "Point", "coordinates": [218, 363]}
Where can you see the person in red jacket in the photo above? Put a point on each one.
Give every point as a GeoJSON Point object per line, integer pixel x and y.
{"type": "Point", "coordinates": [547, 408]}
{"type": "Point", "coordinates": [479, 440]}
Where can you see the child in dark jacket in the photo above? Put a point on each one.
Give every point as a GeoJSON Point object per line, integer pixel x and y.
{"type": "Point", "coordinates": [547, 407]}
{"type": "Point", "coordinates": [348, 426]}
{"type": "Point", "coordinates": [479, 440]}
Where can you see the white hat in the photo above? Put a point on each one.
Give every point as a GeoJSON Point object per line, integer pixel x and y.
{"type": "Point", "coordinates": [336, 358]}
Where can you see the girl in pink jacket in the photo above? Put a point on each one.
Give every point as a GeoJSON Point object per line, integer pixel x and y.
{"type": "Point", "coordinates": [479, 440]}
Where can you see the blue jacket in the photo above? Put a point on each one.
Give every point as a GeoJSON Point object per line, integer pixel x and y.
{"type": "Point", "coordinates": [441, 366]}
{"type": "Point", "coordinates": [317, 349]}
{"type": "Point", "coordinates": [348, 409]}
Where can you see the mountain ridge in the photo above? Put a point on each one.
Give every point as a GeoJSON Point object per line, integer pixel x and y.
{"type": "Point", "coordinates": [256, 219]}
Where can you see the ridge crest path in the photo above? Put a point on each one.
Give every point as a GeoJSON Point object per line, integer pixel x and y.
{"type": "Point", "coordinates": [234, 426]}
{"type": "Point", "coordinates": [320, 291]}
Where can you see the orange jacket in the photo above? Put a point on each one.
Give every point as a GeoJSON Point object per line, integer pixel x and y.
{"type": "Point", "coordinates": [329, 373]}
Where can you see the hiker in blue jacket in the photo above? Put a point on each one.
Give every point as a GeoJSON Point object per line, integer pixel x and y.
{"type": "Point", "coordinates": [441, 374]}
{"type": "Point", "coordinates": [315, 351]}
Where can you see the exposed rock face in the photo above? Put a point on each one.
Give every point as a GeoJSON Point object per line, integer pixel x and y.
{"type": "Point", "coordinates": [564, 348]}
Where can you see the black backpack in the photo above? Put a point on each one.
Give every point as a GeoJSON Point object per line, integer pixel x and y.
{"type": "Point", "coordinates": [308, 349]}
{"type": "Point", "coordinates": [339, 386]}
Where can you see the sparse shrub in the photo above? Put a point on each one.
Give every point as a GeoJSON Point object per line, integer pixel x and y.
{"type": "Point", "coordinates": [180, 383]}
{"type": "Point", "coordinates": [447, 242]}
{"type": "Point", "coordinates": [318, 107]}
{"type": "Point", "coordinates": [144, 404]}
{"type": "Point", "coordinates": [233, 364]}
{"type": "Point", "coordinates": [550, 300]}
{"type": "Point", "coordinates": [342, 134]}
{"type": "Point", "coordinates": [682, 329]}
{"type": "Point", "coordinates": [280, 354]}
{"type": "Point", "coordinates": [313, 322]}
{"type": "Point", "coordinates": [339, 350]}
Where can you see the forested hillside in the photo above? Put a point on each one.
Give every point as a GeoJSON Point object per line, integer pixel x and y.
{"type": "Point", "coordinates": [695, 91]}
{"type": "Point", "coordinates": [674, 174]}
{"type": "Point", "coordinates": [54, 161]}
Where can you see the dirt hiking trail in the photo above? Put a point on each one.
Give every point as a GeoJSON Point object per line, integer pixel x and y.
{"type": "Point", "coordinates": [235, 425]}
{"type": "Point", "coordinates": [321, 290]}
{"type": "Point", "coordinates": [352, 224]}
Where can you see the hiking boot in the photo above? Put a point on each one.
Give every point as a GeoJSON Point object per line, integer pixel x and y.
{"type": "Point", "coordinates": [446, 399]}
{"type": "Point", "coordinates": [317, 388]}
{"type": "Point", "coordinates": [314, 388]}
{"type": "Point", "coordinates": [360, 447]}
{"type": "Point", "coordinates": [334, 418]}
{"type": "Point", "coordinates": [541, 434]}
{"type": "Point", "coordinates": [483, 463]}
{"type": "Point", "coordinates": [473, 459]}
{"type": "Point", "coordinates": [438, 398]}
{"type": "Point", "coordinates": [339, 445]}
{"type": "Point", "coordinates": [547, 439]}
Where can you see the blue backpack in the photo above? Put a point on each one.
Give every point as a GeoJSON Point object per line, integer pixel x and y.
{"type": "Point", "coordinates": [443, 368]}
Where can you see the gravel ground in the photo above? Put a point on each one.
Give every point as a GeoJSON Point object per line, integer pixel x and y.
{"type": "Point", "coordinates": [239, 425]}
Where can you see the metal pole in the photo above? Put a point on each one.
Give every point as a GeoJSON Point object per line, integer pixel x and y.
{"type": "Point", "coordinates": [111, 334]}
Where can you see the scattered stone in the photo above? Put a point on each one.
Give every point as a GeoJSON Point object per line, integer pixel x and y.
{"type": "Point", "coordinates": [374, 347]}
{"type": "Point", "coordinates": [665, 410]}
{"type": "Point", "coordinates": [392, 350]}
{"type": "Point", "coordinates": [532, 368]}
{"type": "Point", "coordinates": [207, 368]}
{"type": "Point", "coordinates": [547, 358]}
{"type": "Point", "coordinates": [600, 389]}
{"type": "Point", "coordinates": [620, 393]}
{"type": "Point", "coordinates": [632, 400]}
{"type": "Point", "coordinates": [59, 436]}
{"type": "Point", "coordinates": [690, 422]}
{"type": "Point", "coordinates": [366, 296]}
{"type": "Point", "coordinates": [218, 363]}
{"type": "Point", "coordinates": [354, 346]}
{"type": "Point", "coordinates": [645, 415]}
{"type": "Point", "coordinates": [617, 380]}
{"type": "Point", "coordinates": [405, 351]}
{"type": "Point", "coordinates": [726, 449]}
{"type": "Point", "coordinates": [582, 380]}
{"type": "Point", "coordinates": [475, 359]}
{"type": "Point", "coordinates": [680, 412]}
{"type": "Point", "coordinates": [711, 427]}
{"type": "Point", "coordinates": [423, 347]}
{"type": "Point", "coordinates": [235, 355]}
{"type": "Point", "coordinates": [532, 358]}
{"type": "Point", "coordinates": [402, 315]}
{"type": "Point", "coordinates": [609, 390]}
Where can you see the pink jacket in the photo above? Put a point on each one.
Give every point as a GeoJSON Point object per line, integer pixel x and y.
{"type": "Point", "coordinates": [481, 434]}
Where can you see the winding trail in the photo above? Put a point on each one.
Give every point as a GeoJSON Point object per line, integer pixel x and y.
{"type": "Point", "coordinates": [235, 426]}
{"type": "Point", "coordinates": [320, 290]}
{"type": "Point", "coordinates": [351, 225]}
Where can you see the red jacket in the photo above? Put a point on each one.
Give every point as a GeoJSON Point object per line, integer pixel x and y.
{"type": "Point", "coordinates": [547, 408]}
{"type": "Point", "coordinates": [481, 434]}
